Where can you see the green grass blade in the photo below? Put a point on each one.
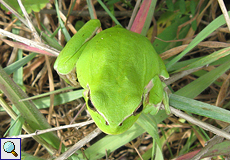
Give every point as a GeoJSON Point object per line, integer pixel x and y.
{"type": "Point", "coordinates": [148, 123]}
{"type": "Point", "coordinates": [13, 67]}
{"type": "Point", "coordinates": [91, 9]}
{"type": "Point", "coordinates": [109, 13]}
{"type": "Point", "coordinates": [219, 21]}
{"type": "Point", "coordinates": [170, 33]}
{"type": "Point", "coordinates": [49, 40]}
{"type": "Point", "coordinates": [112, 142]}
{"type": "Point", "coordinates": [32, 116]}
{"type": "Point", "coordinates": [61, 98]}
{"type": "Point", "coordinates": [207, 59]}
{"type": "Point", "coordinates": [199, 108]}
{"type": "Point", "coordinates": [149, 17]}
{"type": "Point", "coordinates": [16, 125]}
{"type": "Point", "coordinates": [64, 30]}
{"type": "Point", "coordinates": [26, 156]}
{"type": "Point", "coordinates": [47, 94]}
{"type": "Point", "coordinates": [58, 99]}
{"type": "Point", "coordinates": [194, 88]}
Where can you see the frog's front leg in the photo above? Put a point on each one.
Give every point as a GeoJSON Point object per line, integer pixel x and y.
{"type": "Point", "coordinates": [156, 97]}
{"type": "Point", "coordinates": [65, 65]}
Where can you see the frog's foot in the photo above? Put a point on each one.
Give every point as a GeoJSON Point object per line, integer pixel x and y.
{"type": "Point", "coordinates": [153, 108]}
{"type": "Point", "coordinates": [165, 99]}
{"type": "Point", "coordinates": [70, 78]}
{"type": "Point", "coordinates": [157, 97]}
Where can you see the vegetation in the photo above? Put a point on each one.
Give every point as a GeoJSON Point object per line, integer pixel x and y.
{"type": "Point", "coordinates": [191, 36]}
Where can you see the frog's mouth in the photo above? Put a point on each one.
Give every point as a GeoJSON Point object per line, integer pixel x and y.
{"type": "Point", "coordinates": [91, 106]}
{"type": "Point", "coordinates": [137, 111]}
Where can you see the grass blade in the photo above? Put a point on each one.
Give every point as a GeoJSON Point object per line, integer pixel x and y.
{"type": "Point", "coordinates": [201, 36]}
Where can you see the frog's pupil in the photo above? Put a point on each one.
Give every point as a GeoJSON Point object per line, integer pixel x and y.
{"type": "Point", "coordinates": [91, 106]}
{"type": "Point", "coordinates": [138, 110]}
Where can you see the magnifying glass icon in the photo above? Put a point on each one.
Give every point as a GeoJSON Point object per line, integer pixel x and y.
{"type": "Point", "coordinates": [9, 147]}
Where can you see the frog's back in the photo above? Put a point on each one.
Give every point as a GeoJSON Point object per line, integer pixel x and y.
{"type": "Point", "coordinates": [119, 56]}
{"type": "Point", "coordinates": [117, 65]}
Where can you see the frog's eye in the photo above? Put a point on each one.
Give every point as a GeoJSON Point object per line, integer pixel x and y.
{"type": "Point", "coordinates": [89, 102]}
{"type": "Point", "coordinates": [138, 109]}
{"type": "Point", "coordinates": [92, 107]}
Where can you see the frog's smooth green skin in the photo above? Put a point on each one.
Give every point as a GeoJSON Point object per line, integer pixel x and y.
{"type": "Point", "coordinates": [114, 69]}
{"type": "Point", "coordinates": [66, 61]}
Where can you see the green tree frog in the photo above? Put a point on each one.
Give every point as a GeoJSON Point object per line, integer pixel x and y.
{"type": "Point", "coordinates": [120, 72]}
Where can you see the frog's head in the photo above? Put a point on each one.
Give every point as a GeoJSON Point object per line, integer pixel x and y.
{"type": "Point", "coordinates": [113, 113]}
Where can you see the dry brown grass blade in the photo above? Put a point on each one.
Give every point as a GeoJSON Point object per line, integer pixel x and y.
{"type": "Point", "coordinates": [31, 43]}
{"type": "Point", "coordinates": [29, 69]}
{"type": "Point", "coordinates": [12, 25]}
{"type": "Point", "coordinates": [25, 47]}
{"type": "Point", "coordinates": [199, 123]}
{"type": "Point", "coordinates": [199, 137]}
{"type": "Point", "coordinates": [191, 31]}
{"type": "Point", "coordinates": [134, 13]}
{"type": "Point", "coordinates": [225, 12]}
{"type": "Point", "coordinates": [223, 92]}
{"type": "Point", "coordinates": [51, 88]}
{"type": "Point", "coordinates": [69, 25]}
{"type": "Point", "coordinates": [79, 144]}
{"type": "Point", "coordinates": [29, 22]}
{"type": "Point", "coordinates": [172, 52]}
{"type": "Point", "coordinates": [209, 44]}
{"type": "Point", "coordinates": [198, 19]}
{"type": "Point", "coordinates": [38, 132]}
{"type": "Point", "coordinates": [216, 139]}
